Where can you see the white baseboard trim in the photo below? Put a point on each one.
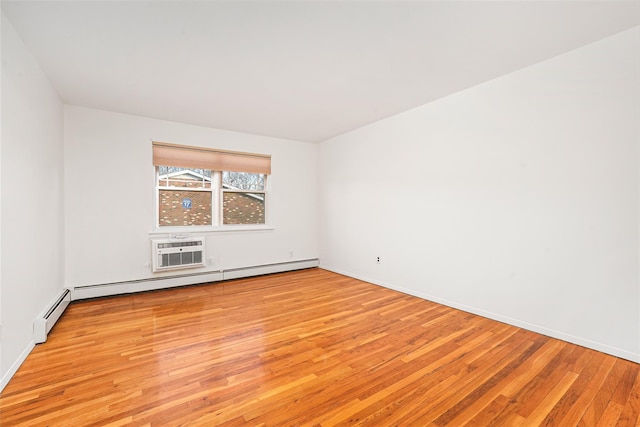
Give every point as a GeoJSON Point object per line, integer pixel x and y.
{"type": "Point", "coordinates": [16, 365]}
{"type": "Point", "coordinates": [50, 315]}
{"type": "Point", "coordinates": [258, 270]}
{"type": "Point", "coordinates": [133, 286]}
{"type": "Point", "coordinates": [604, 348]}
{"type": "Point", "coordinates": [165, 282]}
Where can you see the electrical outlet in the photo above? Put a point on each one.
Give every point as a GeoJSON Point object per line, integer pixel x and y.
{"type": "Point", "coordinates": [377, 260]}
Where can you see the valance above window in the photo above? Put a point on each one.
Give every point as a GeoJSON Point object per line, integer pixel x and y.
{"type": "Point", "coordinates": [166, 154]}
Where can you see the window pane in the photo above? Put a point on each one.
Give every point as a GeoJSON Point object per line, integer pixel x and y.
{"type": "Point", "coordinates": [243, 181]}
{"type": "Point", "coordinates": [242, 208]}
{"type": "Point", "coordinates": [184, 207]}
{"type": "Point", "coordinates": [170, 176]}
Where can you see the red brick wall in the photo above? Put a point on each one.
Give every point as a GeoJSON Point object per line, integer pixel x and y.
{"type": "Point", "coordinates": [173, 214]}
{"type": "Point", "coordinates": [239, 208]}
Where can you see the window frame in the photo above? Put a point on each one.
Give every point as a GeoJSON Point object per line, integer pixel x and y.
{"type": "Point", "coordinates": [217, 206]}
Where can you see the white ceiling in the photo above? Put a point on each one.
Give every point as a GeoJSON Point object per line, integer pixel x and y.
{"type": "Point", "coordinates": [300, 70]}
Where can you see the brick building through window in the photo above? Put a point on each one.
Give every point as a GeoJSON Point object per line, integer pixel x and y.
{"type": "Point", "coordinates": [187, 197]}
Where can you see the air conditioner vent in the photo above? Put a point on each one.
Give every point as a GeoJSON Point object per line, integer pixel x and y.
{"type": "Point", "coordinates": [174, 254]}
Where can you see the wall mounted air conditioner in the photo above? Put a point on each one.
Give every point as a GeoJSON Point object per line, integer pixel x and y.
{"type": "Point", "coordinates": [171, 254]}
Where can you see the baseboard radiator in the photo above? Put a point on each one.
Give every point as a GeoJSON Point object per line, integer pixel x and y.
{"type": "Point", "coordinates": [43, 323]}
{"type": "Point", "coordinates": [165, 282]}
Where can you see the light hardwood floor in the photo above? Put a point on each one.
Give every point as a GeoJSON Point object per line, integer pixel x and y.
{"type": "Point", "coordinates": [308, 348]}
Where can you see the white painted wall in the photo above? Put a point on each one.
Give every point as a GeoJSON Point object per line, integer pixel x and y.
{"type": "Point", "coordinates": [110, 211]}
{"type": "Point", "coordinates": [32, 256]}
{"type": "Point", "coordinates": [516, 199]}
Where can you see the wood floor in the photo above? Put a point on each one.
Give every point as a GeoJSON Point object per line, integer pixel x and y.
{"type": "Point", "coordinates": [308, 348]}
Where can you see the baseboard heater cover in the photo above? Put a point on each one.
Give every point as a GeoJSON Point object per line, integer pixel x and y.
{"type": "Point", "coordinates": [120, 288]}
{"type": "Point", "coordinates": [258, 270]}
{"type": "Point", "coordinates": [43, 323]}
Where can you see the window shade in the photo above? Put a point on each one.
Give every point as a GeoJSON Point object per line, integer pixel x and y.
{"type": "Point", "coordinates": [184, 156]}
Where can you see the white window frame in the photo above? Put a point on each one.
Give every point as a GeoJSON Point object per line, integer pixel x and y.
{"type": "Point", "coordinates": [217, 198]}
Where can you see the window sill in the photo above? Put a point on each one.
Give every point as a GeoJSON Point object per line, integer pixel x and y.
{"type": "Point", "coordinates": [187, 231]}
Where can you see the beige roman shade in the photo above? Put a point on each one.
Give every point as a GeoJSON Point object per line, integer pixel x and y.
{"type": "Point", "coordinates": [184, 156]}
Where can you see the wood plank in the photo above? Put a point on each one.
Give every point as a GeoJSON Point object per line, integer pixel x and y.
{"type": "Point", "coordinates": [540, 416]}
{"type": "Point", "coordinates": [630, 415]}
{"type": "Point", "coordinates": [312, 348]}
{"type": "Point", "coordinates": [603, 395]}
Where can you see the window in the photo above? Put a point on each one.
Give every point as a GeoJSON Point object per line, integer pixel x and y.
{"type": "Point", "coordinates": [185, 196]}
{"type": "Point", "coordinates": [243, 197]}
{"type": "Point", "coordinates": [203, 187]}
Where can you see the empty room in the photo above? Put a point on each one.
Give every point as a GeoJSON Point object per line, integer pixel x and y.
{"type": "Point", "coordinates": [320, 213]}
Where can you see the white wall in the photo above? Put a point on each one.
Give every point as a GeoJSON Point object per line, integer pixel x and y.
{"type": "Point", "coordinates": [109, 186]}
{"type": "Point", "coordinates": [516, 199]}
{"type": "Point", "coordinates": [32, 260]}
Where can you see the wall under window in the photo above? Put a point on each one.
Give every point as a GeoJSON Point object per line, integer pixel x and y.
{"type": "Point", "coordinates": [110, 209]}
